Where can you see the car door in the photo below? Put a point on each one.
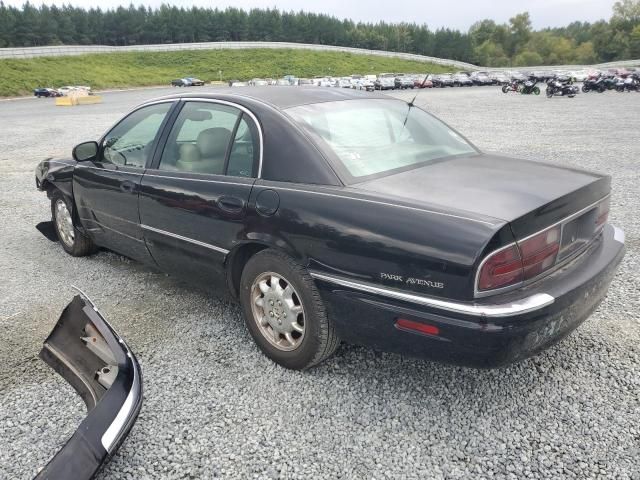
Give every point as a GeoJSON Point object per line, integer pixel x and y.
{"type": "Point", "coordinates": [106, 190]}
{"type": "Point", "coordinates": [194, 200]}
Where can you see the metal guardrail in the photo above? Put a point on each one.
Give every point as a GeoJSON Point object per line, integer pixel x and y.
{"type": "Point", "coordinates": [64, 50]}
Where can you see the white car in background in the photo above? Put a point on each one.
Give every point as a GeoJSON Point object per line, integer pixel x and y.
{"type": "Point", "coordinates": [66, 90]}
{"type": "Point", "coordinates": [579, 75]}
{"type": "Point", "coordinates": [345, 82]}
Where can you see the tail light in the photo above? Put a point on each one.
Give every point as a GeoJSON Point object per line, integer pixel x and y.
{"type": "Point", "coordinates": [520, 261]}
{"type": "Point", "coordinates": [528, 258]}
{"type": "Point", "coordinates": [602, 213]}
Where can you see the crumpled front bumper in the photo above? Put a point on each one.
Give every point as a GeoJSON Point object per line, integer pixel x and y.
{"type": "Point", "coordinates": [85, 350]}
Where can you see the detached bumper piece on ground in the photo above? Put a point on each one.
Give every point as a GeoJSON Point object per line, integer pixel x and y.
{"type": "Point", "coordinates": [93, 359]}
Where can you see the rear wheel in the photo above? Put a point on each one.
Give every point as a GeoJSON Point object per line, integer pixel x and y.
{"type": "Point", "coordinates": [549, 92]}
{"type": "Point", "coordinates": [284, 313]}
{"type": "Point", "coordinates": [73, 241]}
{"type": "Point", "coordinates": [505, 89]}
{"type": "Point", "coordinates": [536, 90]}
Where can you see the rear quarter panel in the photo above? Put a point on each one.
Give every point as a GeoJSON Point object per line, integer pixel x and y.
{"type": "Point", "coordinates": [364, 238]}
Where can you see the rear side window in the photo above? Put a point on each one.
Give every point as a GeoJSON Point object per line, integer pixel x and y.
{"type": "Point", "coordinates": [211, 138]}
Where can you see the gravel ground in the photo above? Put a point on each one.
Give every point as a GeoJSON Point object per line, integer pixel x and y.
{"type": "Point", "coordinates": [215, 407]}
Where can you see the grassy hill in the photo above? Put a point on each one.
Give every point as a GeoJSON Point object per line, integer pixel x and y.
{"type": "Point", "coordinates": [130, 69]}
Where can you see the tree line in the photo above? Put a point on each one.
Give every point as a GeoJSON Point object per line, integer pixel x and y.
{"type": "Point", "coordinates": [485, 43]}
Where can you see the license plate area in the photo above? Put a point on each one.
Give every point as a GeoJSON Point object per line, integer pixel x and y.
{"type": "Point", "coordinates": [577, 233]}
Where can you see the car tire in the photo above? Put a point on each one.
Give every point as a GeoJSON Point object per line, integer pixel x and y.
{"type": "Point", "coordinates": [308, 336]}
{"type": "Point", "coordinates": [73, 241]}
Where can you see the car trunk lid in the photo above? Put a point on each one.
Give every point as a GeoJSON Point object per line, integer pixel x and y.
{"type": "Point", "coordinates": [529, 195]}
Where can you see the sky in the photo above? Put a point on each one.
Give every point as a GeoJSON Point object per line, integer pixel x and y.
{"type": "Point", "coordinates": [457, 14]}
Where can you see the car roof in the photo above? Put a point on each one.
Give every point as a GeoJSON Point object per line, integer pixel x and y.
{"type": "Point", "coordinates": [283, 97]}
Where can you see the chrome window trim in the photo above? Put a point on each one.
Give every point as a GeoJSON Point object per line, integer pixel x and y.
{"type": "Point", "coordinates": [524, 305]}
{"type": "Point", "coordinates": [562, 222]}
{"type": "Point", "coordinates": [185, 239]}
{"type": "Point", "coordinates": [243, 109]}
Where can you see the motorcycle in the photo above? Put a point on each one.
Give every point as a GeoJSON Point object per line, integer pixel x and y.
{"type": "Point", "coordinates": [513, 86]}
{"type": "Point", "coordinates": [594, 84]}
{"type": "Point", "coordinates": [629, 84]}
{"type": "Point", "coordinates": [529, 87]}
{"type": "Point", "coordinates": [561, 86]}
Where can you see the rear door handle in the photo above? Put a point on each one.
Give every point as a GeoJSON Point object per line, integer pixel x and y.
{"type": "Point", "coordinates": [231, 204]}
{"type": "Point", "coordinates": [127, 186]}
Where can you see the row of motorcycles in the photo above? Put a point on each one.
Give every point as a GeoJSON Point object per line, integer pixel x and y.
{"type": "Point", "coordinates": [562, 85]}
{"type": "Point", "coordinates": [600, 83]}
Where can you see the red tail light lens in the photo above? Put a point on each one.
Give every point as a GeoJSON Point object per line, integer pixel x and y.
{"type": "Point", "coordinates": [602, 213]}
{"type": "Point", "coordinates": [520, 262]}
{"type": "Point", "coordinates": [539, 253]}
{"type": "Point", "coordinates": [501, 269]}
{"type": "Point", "coordinates": [404, 324]}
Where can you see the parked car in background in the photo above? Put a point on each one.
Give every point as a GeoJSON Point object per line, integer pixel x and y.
{"type": "Point", "coordinates": [195, 82]}
{"type": "Point", "coordinates": [344, 82]}
{"type": "Point", "coordinates": [402, 81]}
{"type": "Point", "coordinates": [462, 80]}
{"type": "Point", "coordinates": [423, 81]}
{"type": "Point", "coordinates": [180, 82]}
{"type": "Point", "coordinates": [258, 82]}
{"type": "Point", "coordinates": [343, 216]}
{"type": "Point", "coordinates": [364, 84]}
{"type": "Point", "coordinates": [46, 92]}
{"type": "Point", "coordinates": [237, 83]}
{"type": "Point", "coordinates": [282, 82]}
{"type": "Point", "coordinates": [517, 76]}
{"type": "Point", "coordinates": [385, 81]}
{"type": "Point", "coordinates": [481, 79]}
{"type": "Point", "coordinates": [579, 75]}
{"type": "Point", "coordinates": [443, 80]}
{"type": "Point", "coordinates": [69, 89]}
{"type": "Point", "coordinates": [500, 78]}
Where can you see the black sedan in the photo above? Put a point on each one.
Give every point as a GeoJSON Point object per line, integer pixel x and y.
{"type": "Point", "coordinates": [335, 214]}
{"type": "Point", "coordinates": [46, 92]}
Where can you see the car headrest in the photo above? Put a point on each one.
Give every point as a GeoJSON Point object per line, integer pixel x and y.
{"type": "Point", "coordinates": [213, 142]}
{"type": "Point", "coordinates": [189, 153]}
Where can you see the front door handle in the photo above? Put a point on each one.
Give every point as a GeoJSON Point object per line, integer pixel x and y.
{"type": "Point", "coordinates": [231, 204]}
{"type": "Point", "coordinates": [128, 186]}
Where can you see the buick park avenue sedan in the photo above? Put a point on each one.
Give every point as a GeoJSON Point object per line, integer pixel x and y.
{"type": "Point", "coordinates": [337, 215]}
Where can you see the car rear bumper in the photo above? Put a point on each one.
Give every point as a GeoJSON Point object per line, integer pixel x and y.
{"type": "Point", "coordinates": [487, 333]}
{"type": "Point", "coordinates": [96, 362]}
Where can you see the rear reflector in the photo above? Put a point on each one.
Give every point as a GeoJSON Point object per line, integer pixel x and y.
{"type": "Point", "coordinates": [404, 324]}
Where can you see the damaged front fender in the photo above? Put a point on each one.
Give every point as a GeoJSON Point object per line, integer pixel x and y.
{"type": "Point", "coordinates": [96, 362]}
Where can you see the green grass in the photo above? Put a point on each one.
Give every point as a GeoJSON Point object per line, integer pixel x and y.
{"type": "Point", "coordinates": [129, 69]}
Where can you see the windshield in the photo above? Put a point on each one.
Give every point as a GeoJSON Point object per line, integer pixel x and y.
{"type": "Point", "coordinates": [374, 137]}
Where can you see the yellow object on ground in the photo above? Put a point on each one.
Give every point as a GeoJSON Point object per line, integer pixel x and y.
{"type": "Point", "coordinates": [65, 101]}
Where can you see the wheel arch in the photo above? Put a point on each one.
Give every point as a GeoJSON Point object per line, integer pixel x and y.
{"type": "Point", "coordinates": [238, 257]}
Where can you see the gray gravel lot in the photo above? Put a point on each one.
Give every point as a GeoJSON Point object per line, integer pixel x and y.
{"type": "Point", "coordinates": [215, 407]}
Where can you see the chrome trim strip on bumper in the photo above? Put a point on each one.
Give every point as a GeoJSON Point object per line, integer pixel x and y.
{"type": "Point", "coordinates": [618, 234]}
{"type": "Point", "coordinates": [117, 427]}
{"type": "Point", "coordinates": [185, 239]}
{"type": "Point", "coordinates": [527, 304]}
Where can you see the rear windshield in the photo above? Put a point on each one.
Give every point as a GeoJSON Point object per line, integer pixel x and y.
{"type": "Point", "coordinates": [375, 137]}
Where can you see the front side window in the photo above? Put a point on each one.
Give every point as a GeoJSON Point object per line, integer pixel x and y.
{"type": "Point", "coordinates": [211, 138]}
{"type": "Point", "coordinates": [129, 143]}
{"type": "Point", "coordinates": [374, 137]}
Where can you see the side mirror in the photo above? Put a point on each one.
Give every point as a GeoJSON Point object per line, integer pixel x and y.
{"type": "Point", "coordinates": [85, 151]}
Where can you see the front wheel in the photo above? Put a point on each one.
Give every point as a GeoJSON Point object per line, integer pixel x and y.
{"type": "Point", "coordinates": [549, 93]}
{"type": "Point", "coordinates": [585, 89]}
{"type": "Point", "coordinates": [536, 91]}
{"type": "Point", "coordinates": [505, 89]}
{"type": "Point", "coordinates": [73, 241]}
{"type": "Point", "coordinates": [284, 313]}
